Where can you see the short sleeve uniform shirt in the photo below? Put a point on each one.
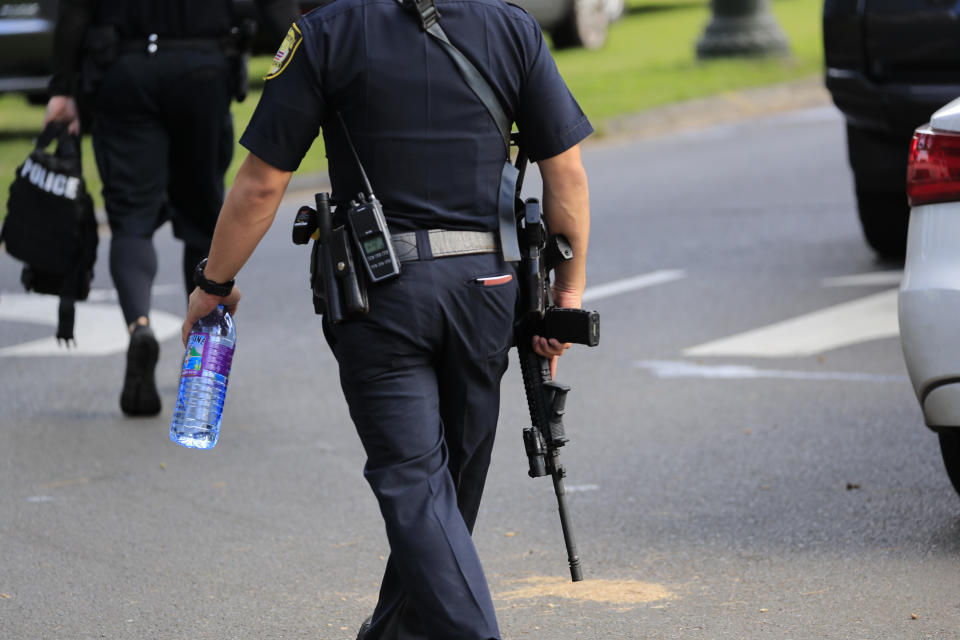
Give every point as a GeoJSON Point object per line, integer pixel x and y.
{"type": "Point", "coordinates": [430, 148]}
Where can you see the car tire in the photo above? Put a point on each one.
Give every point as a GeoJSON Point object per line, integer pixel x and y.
{"type": "Point", "coordinates": [879, 164]}
{"type": "Point", "coordinates": [950, 450]}
{"type": "Point", "coordinates": [884, 216]}
{"type": "Point", "coordinates": [585, 26]}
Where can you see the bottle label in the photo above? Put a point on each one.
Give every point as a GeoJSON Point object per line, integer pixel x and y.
{"type": "Point", "coordinates": [205, 355]}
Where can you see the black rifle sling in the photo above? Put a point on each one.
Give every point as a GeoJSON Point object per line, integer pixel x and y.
{"type": "Point", "coordinates": [478, 84]}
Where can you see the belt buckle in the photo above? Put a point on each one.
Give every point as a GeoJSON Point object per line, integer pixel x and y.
{"type": "Point", "coordinates": [152, 44]}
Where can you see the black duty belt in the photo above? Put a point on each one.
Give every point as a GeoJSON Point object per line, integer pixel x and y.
{"type": "Point", "coordinates": [440, 243]}
{"type": "Point", "coordinates": [153, 44]}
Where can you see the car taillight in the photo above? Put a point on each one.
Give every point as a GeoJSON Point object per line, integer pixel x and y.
{"type": "Point", "coordinates": [933, 172]}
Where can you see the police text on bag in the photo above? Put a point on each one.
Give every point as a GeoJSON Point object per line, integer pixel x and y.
{"type": "Point", "coordinates": [55, 183]}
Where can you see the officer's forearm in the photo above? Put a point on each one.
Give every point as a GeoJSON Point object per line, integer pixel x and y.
{"type": "Point", "coordinates": [566, 208]}
{"type": "Point", "coordinates": [247, 214]}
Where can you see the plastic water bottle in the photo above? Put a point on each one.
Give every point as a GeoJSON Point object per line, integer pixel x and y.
{"type": "Point", "coordinates": [203, 381]}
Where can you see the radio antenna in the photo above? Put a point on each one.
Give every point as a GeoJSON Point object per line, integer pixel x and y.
{"type": "Point", "coordinates": [363, 174]}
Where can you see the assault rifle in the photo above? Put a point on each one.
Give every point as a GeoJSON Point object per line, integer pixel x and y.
{"type": "Point", "coordinates": [537, 315]}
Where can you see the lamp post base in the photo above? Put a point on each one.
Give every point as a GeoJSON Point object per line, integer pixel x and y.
{"type": "Point", "coordinates": [742, 28]}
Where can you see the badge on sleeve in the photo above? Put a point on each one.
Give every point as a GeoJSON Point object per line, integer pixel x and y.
{"type": "Point", "coordinates": [287, 48]}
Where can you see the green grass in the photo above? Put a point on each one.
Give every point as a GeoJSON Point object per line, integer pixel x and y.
{"type": "Point", "coordinates": [649, 61]}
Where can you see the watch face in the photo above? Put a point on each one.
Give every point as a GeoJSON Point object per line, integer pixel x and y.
{"type": "Point", "coordinates": [198, 273]}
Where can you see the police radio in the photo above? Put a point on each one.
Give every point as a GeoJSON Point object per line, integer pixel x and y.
{"type": "Point", "coordinates": [368, 227]}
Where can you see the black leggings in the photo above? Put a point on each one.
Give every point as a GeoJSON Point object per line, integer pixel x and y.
{"type": "Point", "coordinates": [133, 265]}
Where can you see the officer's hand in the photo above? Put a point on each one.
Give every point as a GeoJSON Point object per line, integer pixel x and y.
{"type": "Point", "coordinates": [202, 303]}
{"type": "Point", "coordinates": [553, 348]}
{"type": "Point", "coordinates": [63, 109]}
{"type": "Point", "coordinates": [550, 349]}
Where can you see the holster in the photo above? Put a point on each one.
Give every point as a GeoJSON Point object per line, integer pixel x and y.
{"type": "Point", "coordinates": [320, 294]}
{"type": "Point", "coordinates": [237, 47]}
{"type": "Point", "coordinates": [339, 287]}
{"type": "Point", "coordinates": [101, 48]}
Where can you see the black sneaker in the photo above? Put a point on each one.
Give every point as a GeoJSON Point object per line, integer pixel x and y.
{"type": "Point", "coordinates": [364, 627]}
{"type": "Point", "coordinates": [139, 396]}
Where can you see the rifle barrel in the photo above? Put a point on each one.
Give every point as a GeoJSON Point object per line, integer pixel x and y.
{"type": "Point", "coordinates": [573, 558]}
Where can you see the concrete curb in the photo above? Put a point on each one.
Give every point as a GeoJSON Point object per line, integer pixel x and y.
{"type": "Point", "coordinates": [726, 107]}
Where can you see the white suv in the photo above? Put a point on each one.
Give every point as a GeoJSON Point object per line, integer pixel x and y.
{"type": "Point", "coordinates": [929, 298]}
{"type": "Point", "coordinates": [574, 23]}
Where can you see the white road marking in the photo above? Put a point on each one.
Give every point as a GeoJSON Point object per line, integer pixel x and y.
{"type": "Point", "coordinates": [680, 369]}
{"type": "Point", "coordinates": [876, 278]}
{"type": "Point", "coordinates": [631, 284]}
{"type": "Point", "coordinates": [581, 488]}
{"type": "Point", "coordinates": [110, 295]}
{"type": "Point", "coordinates": [861, 320]}
{"type": "Point", "coordinates": [99, 328]}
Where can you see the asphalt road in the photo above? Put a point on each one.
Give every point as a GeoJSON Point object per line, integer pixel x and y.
{"type": "Point", "coordinates": [747, 457]}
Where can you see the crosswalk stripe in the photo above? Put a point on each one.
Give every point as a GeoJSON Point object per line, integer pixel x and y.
{"type": "Point", "coordinates": [626, 285]}
{"type": "Point", "coordinates": [99, 328]}
{"type": "Point", "coordinates": [861, 320]}
{"type": "Point", "coordinates": [874, 278]}
{"type": "Point", "coordinates": [681, 369]}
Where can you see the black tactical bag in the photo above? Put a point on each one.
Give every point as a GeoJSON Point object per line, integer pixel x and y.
{"type": "Point", "coordinates": [50, 225]}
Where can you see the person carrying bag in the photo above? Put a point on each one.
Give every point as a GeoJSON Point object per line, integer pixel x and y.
{"type": "Point", "coordinates": [50, 225]}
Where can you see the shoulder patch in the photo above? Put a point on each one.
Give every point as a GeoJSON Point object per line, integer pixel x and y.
{"type": "Point", "coordinates": [287, 48]}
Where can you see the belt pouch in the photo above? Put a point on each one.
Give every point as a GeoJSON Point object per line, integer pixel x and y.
{"type": "Point", "coordinates": [320, 294]}
{"type": "Point", "coordinates": [353, 283]}
{"type": "Point", "coordinates": [100, 50]}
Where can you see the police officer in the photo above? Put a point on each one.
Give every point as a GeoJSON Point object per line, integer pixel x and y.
{"type": "Point", "coordinates": [421, 371]}
{"type": "Point", "coordinates": [159, 83]}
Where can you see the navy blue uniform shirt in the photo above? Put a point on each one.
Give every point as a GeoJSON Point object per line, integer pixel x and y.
{"type": "Point", "coordinates": [432, 151]}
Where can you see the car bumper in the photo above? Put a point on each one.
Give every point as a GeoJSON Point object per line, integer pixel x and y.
{"type": "Point", "coordinates": [31, 84]}
{"type": "Point", "coordinates": [929, 306]}
{"type": "Point", "coordinates": [895, 108]}
{"type": "Point", "coordinates": [25, 54]}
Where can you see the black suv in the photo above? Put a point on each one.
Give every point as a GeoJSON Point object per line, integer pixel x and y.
{"type": "Point", "coordinates": [26, 43]}
{"type": "Point", "coordinates": [890, 65]}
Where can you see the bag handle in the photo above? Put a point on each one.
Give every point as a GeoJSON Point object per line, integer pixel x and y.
{"type": "Point", "coordinates": [68, 144]}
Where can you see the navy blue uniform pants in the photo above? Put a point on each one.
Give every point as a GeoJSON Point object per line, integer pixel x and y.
{"type": "Point", "coordinates": [421, 375]}
{"type": "Point", "coordinates": [163, 139]}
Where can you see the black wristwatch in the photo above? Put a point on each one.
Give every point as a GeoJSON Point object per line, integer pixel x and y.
{"type": "Point", "coordinates": [220, 289]}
